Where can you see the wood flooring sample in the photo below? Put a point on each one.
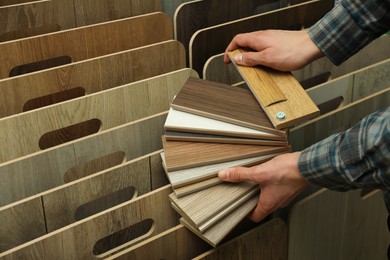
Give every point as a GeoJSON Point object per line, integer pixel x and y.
{"type": "Point", "coordinates": [223, 102]}
{"type": "Point", "coordinates": [184, 155]}
{"type": "Point", "coordinates": [279, 94]}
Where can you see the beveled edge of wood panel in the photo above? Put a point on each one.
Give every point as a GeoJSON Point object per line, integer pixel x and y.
{"type": "Point", "coordinates": [176, 14]}
{"type": "Point", "coordinates": [24, 3]}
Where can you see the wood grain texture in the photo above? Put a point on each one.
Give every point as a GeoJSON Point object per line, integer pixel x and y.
{"type": "Point", "coordinates": [184, 155]}
{"type": "Point", "coordinates": [198, 186]}
{"type": "Point", "coordinates": [276, 92]}
{"type": "Point", "coordinates": [210, 41]}
{"type": "Point", "coordinates": [349, 226]}
{"type": "Point", "coordinates": [267, 241]}
{"type": "Point", "coordinates": [223, 102]}
{"type": "Point", "coordinates": [221, 229]}
{"type": "Point", "coordinates": [14, 2]}
{"type": "Point", "coordinates": [207, 138]}
{"type": "Point", "coordinates": [45, 170]}
{"type": "Point", "coordinates": [187, 122]}
{"type": "Point", "coordinates": [338, 120]}
{"type": "Point", "coordinates": [23, 20]}
{"type": "Point", "coordinates": [92, 75]}
{"type": "Point", "coordinates": [132, 102]}
{"type": "Point", "coordinates": [87, 42]}
{"type": "Point", "coordinates": [205, 208]}
{"type": "Point", "coordinates": [194, 15]}
{"type": "Point", "coordinates": [21, 223]}
{"type": "Point", "coordinates": [76, 241]}
{"type": "Point", "coordinates": [175, 243]}
{"type": "Point", "coordinates": [158, 177]}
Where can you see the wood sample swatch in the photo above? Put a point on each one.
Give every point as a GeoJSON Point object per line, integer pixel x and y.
{"type": "Point", "coordinates": [184, 155]}
{"type": "Point", "coordinates": [266, 241]}
{"type": "Point", "coordinates": [207, 207]}
{"type": "Point", "coordinates": [221, 229]}
{"type": "Point", "coordinates": [192, 175]}
{"type": "Point", "coordinates": [278, 92]}
{"type": "Point", "coordinates": [207, 138]}
{"type": "Point", "coordinates": [213, 40]}
{"type": "Point", "coordinates": [187, 122]}
{"type": "Point", "coordinates": [223, 102]}
{"type": "Point", "coordinates": [87, 42]}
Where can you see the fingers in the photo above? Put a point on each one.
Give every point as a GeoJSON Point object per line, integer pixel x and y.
{"type": "Point", "coordinates": [262, 210]}
{"type": "Point", "coordinates": [240, 40]}
{"type": "Point", "coordinates": [236, 174]}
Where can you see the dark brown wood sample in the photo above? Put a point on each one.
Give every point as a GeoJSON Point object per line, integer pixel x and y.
{"type": "Point", "coordinates": [223, 102]}
{"type": "Point", "coordinates": [183, 155]}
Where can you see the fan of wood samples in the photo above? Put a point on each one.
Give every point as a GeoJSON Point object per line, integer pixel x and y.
{"type": "Point", "coordinates": [212, 126]}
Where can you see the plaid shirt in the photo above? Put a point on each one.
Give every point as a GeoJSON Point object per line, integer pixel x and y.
{"type": "Point", "coordinates": [349, 26]}
{"type": "Point", "coordinates": [356, 158]}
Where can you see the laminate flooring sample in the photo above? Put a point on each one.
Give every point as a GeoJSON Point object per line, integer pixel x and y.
{"type": "Point", "coordinates": [223, 102]}
{"type": "Point", "coordinates": [184, 155]}
{"type": "Point", "coordinates": [280, 95]}
{"type": "Point", "coordinates": [207, 138]}
{"type": "Point", "coordinates": [187, 122]}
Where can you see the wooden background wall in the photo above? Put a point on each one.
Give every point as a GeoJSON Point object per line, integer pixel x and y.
{"type": "Point", "coordinates": [84, 91]}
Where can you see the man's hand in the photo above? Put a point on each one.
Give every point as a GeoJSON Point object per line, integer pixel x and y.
{"type": "Point", "coordinates": [279, 180]}
{"type": "Point", "coordinates": [278, 49]}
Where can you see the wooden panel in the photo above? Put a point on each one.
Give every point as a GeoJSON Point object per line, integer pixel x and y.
{"type": "Point", "coordinates": [77, 241]}
{"type": "Point", "coordinates": [336, 121]}
{"type": "Point", "coordinates": [21, 223]}
{"type": "Point", "coordinates": [37, 17]}
{"type": "Point", "coordinates": [210, 41]}
{"type": "Point", "coordinates": [175, 243]}
{"type": "Point", "coordinates": [91, 75]}
{"type": "Point", "coordinates": [14, 2]}
{"type": "Point", "coordinates": [207, 138]}
{"type": "Point", "coordinates": [158, 176]}
{"type": "Point", "coordinates": [186, 122]}
{"type": "Point", "coordinates": [195, 15]}
{"type": "Point", "coordinates": [184, 155]}
{"type": "Point", "coordinates": [31, 126]}
{"type": "Point", "coordinates": [278, 92]}
{"type": "Point", "coordinates": [349, 226]}
{"type": "Point", "coordinates": [87, 42]}
{"type": "Point", "coordinates": [45, 170]}
{"type": "Point", "coordinates": [267, 241]}
{"type": "Point", "coordinates": [223, 102]}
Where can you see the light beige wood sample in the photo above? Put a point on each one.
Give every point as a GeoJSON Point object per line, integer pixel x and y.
{"type": "Point", "coordinates": [187, 122]}
{"type": "Point", "coordinates": [267, 241]}
{"type": "Point", "coordinates": [200, 185]}
{"type": "Point", "coordinates": [337, 121]}
{"type": "Point", "coordinates": [65, 204]}
{"type": "Point", "coordinates": [278, 92]}
{"type": "Point", "coordinates": [45, 170]}
{"type": "Point", "coordinates": [350, 227]}
{"type": "Point", "coordinates": [87, 42]}
{"type": "Point", "coordinates": [206, 207]}
{"type": "Point", "coordinates": [175, 243]}
{"type": "Point", "coordinates": [184, 155]}
{"type": "Point", "coordinates": [91, 75]}
{"type": "Point", "coordinates": [35, 17]}
{"type": "Point", "coordinates": [77, 241]}
{"type": "Point", "coordinates": [221, 229]}
{"type": "Point", "coordinates": [132, 102]}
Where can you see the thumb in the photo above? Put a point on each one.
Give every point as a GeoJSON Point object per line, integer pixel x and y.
{"type": "Point", "coordinates": [235, 174]}
{"type": "Point", "coordinates": [248, 59]}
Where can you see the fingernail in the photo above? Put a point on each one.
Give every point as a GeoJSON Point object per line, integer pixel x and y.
{"type": "Point", "coordinates": [223, 174]}
{"type": "Point", "coordinates": [238, 58]}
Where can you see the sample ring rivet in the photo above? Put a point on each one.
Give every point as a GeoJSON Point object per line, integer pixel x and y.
{"type": "Point", "coordinates": [281, 116]}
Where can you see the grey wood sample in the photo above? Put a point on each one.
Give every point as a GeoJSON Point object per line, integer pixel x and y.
{"type": "Point", "coordinates": [87, 42]}
{"type": "Point", "coordinates": [214, 40]}
{"type": "Point", "coordinates": [77, 241]}
{"type": "Point", "coordinates": [223, 102]}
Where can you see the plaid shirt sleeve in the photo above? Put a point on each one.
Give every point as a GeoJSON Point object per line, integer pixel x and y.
{"type": "Point", "coordinates": [356, 158]}
{"type": "Point", "coordinates": [349, 26]}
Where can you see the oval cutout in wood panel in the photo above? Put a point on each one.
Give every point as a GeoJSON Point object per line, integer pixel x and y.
{"type": "Point", "coordinates": [316, 80]}
{"type": "Point", "coordinates": [39, 65]}
{"type": "Point", "coordinates": [330, 105]}
{"type": "Point", "coordinates": [53, 98]}
{"type": "Point", "coordinates": [124, 237]}
{"type": "Point", "coordinates": [93, 166]}
{"type": "Point", "coordinates": [28, 32]}
{"type": "Point", "coordinates": [69, 133]}
{"type": "Point", "coordinates": [105, 202]}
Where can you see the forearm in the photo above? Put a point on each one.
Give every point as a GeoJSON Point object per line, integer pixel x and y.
{"type": "Point", "coordinates": [356, 158]}
{"type": "Point", "coordinates": [350, 26]}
